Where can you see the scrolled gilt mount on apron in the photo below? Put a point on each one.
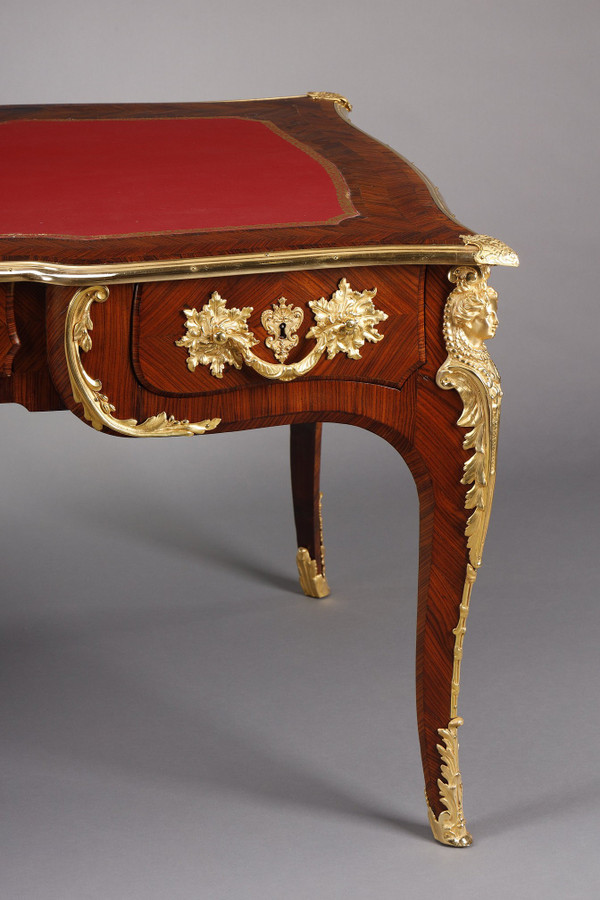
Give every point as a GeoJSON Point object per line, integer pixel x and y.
{"type": "Point", "coordinates": [218, 335]}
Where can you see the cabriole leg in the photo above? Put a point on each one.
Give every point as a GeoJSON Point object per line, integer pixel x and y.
{"type": "Point", "coordinates": [442, 608]}
{"type": "Point", "coordinates": [453, 530]}
{"type": "Point", "coordinates": [305, 462]}
{"type": "Point", "coordinates": [444, 595]}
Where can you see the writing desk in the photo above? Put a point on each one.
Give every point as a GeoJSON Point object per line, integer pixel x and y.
{"type": "Point", "coordinates": [177, 270]}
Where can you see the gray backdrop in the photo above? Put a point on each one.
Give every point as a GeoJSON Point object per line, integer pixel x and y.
{"type": "Point", "coordinates": [178, 721]}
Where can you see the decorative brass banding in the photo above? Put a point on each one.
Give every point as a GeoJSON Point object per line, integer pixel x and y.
{"type": "Point", "coordinates": [459, 635]}
{"type": "Point", "coordinates": [450, 826]}
{"type": "Point", "coordinates": [242, 264]}
{"type": "Point", "coordinates": [97, 408]}
{"type": "Point", "coordinates": [218, 335]}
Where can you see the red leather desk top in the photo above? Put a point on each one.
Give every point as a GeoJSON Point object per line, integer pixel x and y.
{"type": "Point", "coordinates": [119, 183]}
{"type": "Point", "coordinates": [117, 177]}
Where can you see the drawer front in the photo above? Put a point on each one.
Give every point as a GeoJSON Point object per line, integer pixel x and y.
{"type": "Point", "coordinates": [198, 337]}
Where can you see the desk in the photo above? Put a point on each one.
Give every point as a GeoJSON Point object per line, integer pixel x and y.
{"type": "Point", "coordinates": [177, 270]}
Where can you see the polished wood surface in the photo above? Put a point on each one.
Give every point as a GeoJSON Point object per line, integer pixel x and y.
{"type": "Point", "coordinates": [390, 391]}
{"type": "Point", "coordinates": [9, 340]}
{"type": "Point", "coordinates": [305, 467]}
{"type": "Point", "coordinates": [159, 321]}
{"type": "Point", "coordinates": [29, 383]}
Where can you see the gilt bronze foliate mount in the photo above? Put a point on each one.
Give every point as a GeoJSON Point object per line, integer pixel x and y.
{"type": "Point", "coordinates": [88, 391]}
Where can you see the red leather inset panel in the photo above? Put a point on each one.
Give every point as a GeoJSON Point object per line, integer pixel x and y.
{"type": "Point", "coordinates": [92, 178]}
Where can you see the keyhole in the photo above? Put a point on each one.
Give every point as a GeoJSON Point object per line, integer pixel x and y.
{"type": "Point", "coordinates": [282, 333]}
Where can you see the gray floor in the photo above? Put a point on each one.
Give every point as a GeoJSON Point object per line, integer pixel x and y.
{"type": "Point", "coordinates": [179, 721]}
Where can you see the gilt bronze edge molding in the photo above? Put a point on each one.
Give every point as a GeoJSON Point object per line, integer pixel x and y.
{"type": "Point", "coordinates": [87, 391]}
{"type": "Point", "coordinates": [313, 95]}
{"type": "Point", "coordinates": [255, 263]}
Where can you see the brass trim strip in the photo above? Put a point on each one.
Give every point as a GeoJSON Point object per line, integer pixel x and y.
{"type": "Point", "coordinates": [311, 94]}
{"type": "Point", "coordinates": [459, 637]}
{"type": "Point", "coordinates": [314, 95]}
{"type": "Point", "coordinates": [252, 263]}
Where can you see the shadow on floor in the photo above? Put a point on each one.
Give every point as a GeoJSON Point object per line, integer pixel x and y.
{"type": "Point", "coordinates": [70, 700]}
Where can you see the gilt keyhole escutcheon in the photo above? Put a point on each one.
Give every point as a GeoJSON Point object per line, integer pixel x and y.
{"type": "Point", "coordinates": [282, 322]}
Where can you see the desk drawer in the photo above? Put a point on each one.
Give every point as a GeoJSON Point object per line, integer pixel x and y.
{"type": "Point", "coordinates": [276, 329]}
{"type": "Point", "coordinates": [125, 358]}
